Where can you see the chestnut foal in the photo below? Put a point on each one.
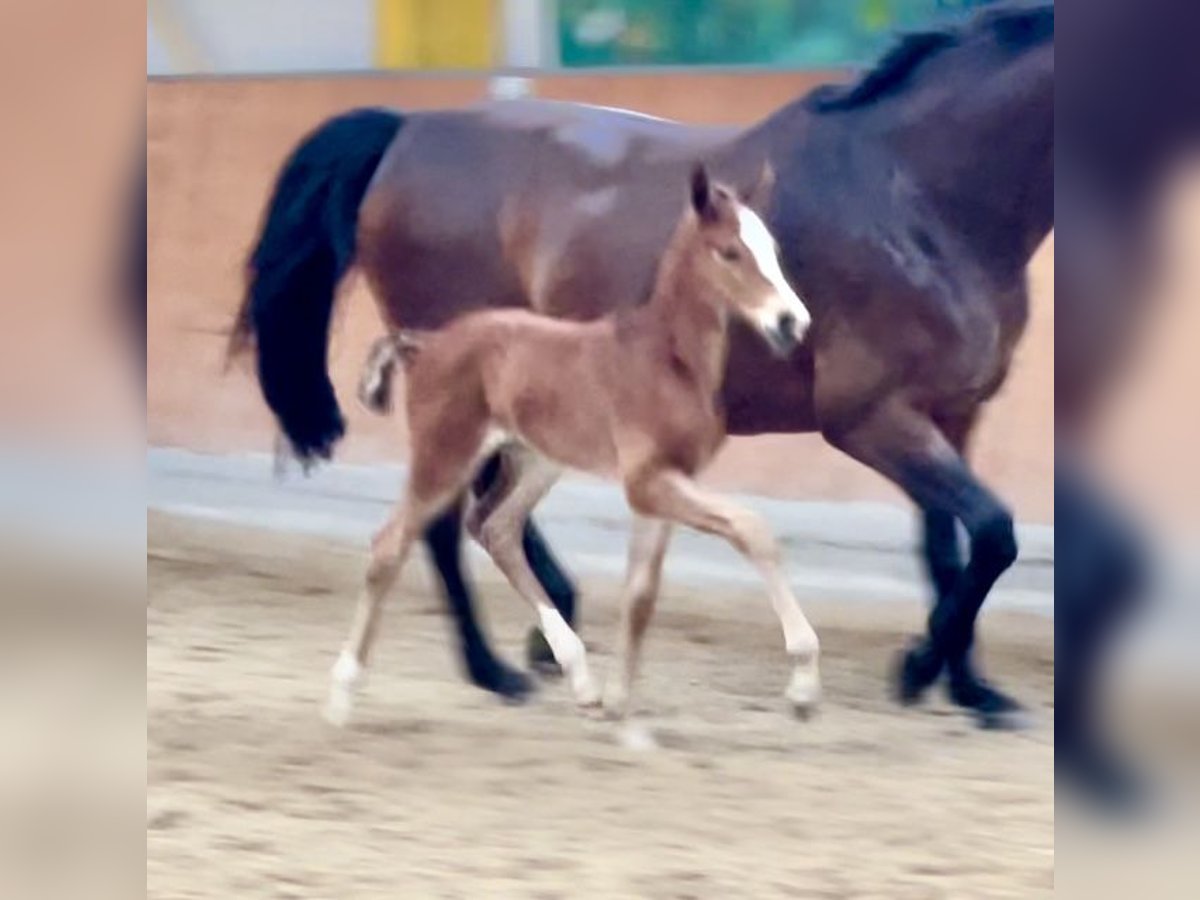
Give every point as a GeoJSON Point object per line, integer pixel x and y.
{"type": "Point", "coordinates": [631, 395]}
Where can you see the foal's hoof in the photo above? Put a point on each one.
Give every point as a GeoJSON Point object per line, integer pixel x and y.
{"type": "Point", "coordinates": [915, 672]}
{"type": "Point", "coordinates": [540, 656]}
{"type": "Point", "coordinates": [587, 695]}
{"type": "Point", "coordinates": [337, 708]}
{"type": "Point", "coordinates": [503, 680]}
{"type": "Point", "coordinates": [636, 737]}
{"type": "Point", "coordinates": [804, 695]}
{"type": "Point", "coordinates": [615, 702]}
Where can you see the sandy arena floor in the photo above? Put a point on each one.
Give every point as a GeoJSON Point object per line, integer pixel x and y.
{"type": "Point", "coordinates": [437, 790]}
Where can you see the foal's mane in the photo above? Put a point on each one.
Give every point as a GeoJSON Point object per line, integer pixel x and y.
{"type": "Point", "coordinates": [1017, 26]}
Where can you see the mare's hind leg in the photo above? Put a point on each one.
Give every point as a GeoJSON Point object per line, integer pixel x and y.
{"type": "Point", "coordinates": [672, 495]}
{"type": "Point", "coordinates": [908, 448]}
{"type": "Point", "coordinates": [500, 535]}
{"type": "Point", "coordinates": [647, 548]}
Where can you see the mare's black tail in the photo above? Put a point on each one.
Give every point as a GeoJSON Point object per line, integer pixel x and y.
{"type": "Point", "coordinates": [306, 245]}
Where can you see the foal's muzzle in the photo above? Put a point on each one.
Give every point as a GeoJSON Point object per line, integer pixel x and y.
{"type": "Point", "coordinates": [785, 333]}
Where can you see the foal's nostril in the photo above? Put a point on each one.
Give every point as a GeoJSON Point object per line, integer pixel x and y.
{"type": "Point", "coordinates": [787, 323]}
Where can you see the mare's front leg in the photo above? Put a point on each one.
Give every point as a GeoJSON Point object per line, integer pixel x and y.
{"type": "Point", "coordinates": [672, 495]}
{"type": "Point", "coordinates": [908, 448]}
{"type": "Point", "coordinates": [945, 564]}
{"type": "Point", "coordinates": [1100, 574]}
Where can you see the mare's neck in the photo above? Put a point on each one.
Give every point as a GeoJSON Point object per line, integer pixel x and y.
{"type": "Point", "coordinates": [976, 140]}
{"type": "Point", "coordinates": [692, 321]}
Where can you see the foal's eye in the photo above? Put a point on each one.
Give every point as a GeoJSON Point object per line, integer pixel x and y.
{"type": "Point", "coordinates": [730, 254]}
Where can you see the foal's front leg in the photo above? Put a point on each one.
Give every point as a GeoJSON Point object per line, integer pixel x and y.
{"type": "Point", "coordinates": [647, 548]}
{"type": "Point", "coordinates": [671, 494]}
{"type": "Point", "coordinates": [500, 534]}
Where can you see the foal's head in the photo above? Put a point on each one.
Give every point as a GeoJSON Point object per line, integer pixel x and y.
{"type": "Point", "coordinates": [739, 260]}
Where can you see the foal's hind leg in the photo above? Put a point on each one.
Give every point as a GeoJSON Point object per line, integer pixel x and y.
{"type": "Point", "coordinates": [489, 488]}
{"type": "Point", "coordinates": [672, 495]}
{"type": "Point", "coordinates": [433, 485]}
{"type": "Point", "coordinates": [389, 550]}
{"type": "Point", "coordinates": [500, 534]}
{"type": "Point", "coordinates": [443, 538]}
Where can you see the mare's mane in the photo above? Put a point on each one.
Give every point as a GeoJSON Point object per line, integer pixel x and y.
{"type": "Point", "coordinates": [1016, 26]}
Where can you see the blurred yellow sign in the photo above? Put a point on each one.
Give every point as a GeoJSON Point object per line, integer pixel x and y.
{"type": "Point", "coordinates": [433, 34]}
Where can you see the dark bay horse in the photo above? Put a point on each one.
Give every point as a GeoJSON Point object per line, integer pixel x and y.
{"type": "Point", "coordinates": [907, 203]}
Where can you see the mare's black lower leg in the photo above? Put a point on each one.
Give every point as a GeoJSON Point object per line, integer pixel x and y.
{"type": "Point", "coordinates": [951, 631]}
{"type": "Point", "coordinates": [1099, 574]}
{"type": "Point", "coordinates": [941, 550]}
{"type": "Point", "coordinates": [945, 565]}
{"type": "Point", "coordinates": [444, 540]}
{"type": "Point", "coordinates": [909, 449]}
{"type": "Point", "coordinates": [488, 487]}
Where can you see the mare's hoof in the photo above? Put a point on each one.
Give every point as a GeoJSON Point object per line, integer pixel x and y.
{"type": "Point", "coordinates": [512, 685]}
{"type": "Point", "coordinates": [1008, 720]}
{"type": "Point", "coordinates": [915, 672]}
{"type": "Point", "coordinates": [540, 656]}
{"type": "Point", "coordinates": [1102, 781]}
{"type": "Point", "coordinates": [993, 709]}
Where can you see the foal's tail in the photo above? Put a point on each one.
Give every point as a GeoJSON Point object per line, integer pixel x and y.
{"type": "Point", "coordinates": [305, 245]}
{"type": "Point", "coordinates": [375, 384]}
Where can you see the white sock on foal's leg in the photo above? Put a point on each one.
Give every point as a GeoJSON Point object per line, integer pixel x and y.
{"type": "Point", "coordinates": [569, 653]}
{"type": "Point", "coordinates": [345, 677]}
{"type": "Point", "coordinates": [803, 646]}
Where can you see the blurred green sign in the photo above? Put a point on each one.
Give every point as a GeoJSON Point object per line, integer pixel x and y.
{"type": "Point", "coordinates": [785, 33]}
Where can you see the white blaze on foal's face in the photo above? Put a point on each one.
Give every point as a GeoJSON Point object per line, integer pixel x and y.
{"type": "Point", "coordinates": [778, 313]}
{"type": "Point", "coordinates": [744, 267]}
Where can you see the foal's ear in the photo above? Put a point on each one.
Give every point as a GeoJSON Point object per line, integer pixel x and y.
{"type": "Point", "coordinates": [702, 200]}
{"type": "Point", "coordinates": [759, 193]}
